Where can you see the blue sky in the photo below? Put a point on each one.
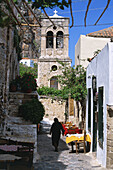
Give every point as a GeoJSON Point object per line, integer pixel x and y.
{"type": "Point", "coordinates": [79, 8]}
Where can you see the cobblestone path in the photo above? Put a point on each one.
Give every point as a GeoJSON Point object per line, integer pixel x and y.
{"type": "Point", "coordinates": [63, 159]}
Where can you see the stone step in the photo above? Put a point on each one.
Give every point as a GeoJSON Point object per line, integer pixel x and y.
{"type": "Point", "coordinates": [17, 120]}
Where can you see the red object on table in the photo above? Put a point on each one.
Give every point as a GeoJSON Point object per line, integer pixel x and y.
{"type": "Point", "coordinates": [66, 131]}
{"type": "Point", "coordinates": [71, 131]}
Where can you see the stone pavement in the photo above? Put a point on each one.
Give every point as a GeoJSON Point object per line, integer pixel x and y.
{"type": "Point", "coordinates": [48, 159]}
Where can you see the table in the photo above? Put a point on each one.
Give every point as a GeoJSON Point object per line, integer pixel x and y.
{"type": "Point", "coordinates": [8, 158]}
{"type": "Point", "coordinates": [78, 137]}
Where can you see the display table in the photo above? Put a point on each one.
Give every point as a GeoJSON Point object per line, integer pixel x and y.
{"type": "Point", "coordinates": [77, 137]}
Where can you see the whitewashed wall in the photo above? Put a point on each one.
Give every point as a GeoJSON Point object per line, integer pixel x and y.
{"type": "Point", "coordinates": [101, 67]}
{"type": "Point", "coordinates": [27, 62]}
{"type": "Point", "coordinates": [86, 46]}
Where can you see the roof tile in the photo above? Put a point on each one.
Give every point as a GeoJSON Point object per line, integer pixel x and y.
{"type": "Point", "coordinates": [106, 33]}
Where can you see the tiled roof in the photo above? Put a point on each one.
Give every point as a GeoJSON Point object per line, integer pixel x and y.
{"type": "Point", "coordinates": [105, 33]}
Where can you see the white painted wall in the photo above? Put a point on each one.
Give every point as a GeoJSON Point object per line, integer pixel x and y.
{"type": "Point", "coordinates": [85, 48]}
{"type": "Point", "coordinates": [27, 62]}
{"type": "Point", "coordinates": [101, 67]}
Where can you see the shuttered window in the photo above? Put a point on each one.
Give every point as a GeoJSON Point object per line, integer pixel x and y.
{"type": "Point", "coordinates": [89, 109]}
{"type": "Point", "coordinates": [100, 116]}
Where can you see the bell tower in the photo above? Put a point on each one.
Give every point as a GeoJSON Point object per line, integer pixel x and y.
{"type": "Point", "coordinates": [54, 47]}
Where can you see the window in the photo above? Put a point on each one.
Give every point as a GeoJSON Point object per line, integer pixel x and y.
{"type": "Point", "coordinates": [54, 82]}
{"type": "Point", "coordinates": [100, 116]}
{"type": "Point", "coordinates": [59, 40]}
{"type": "Point", "coordinates": [89, 109]}
{"type": "Point", "coordinates": [49, 39]}
{"type": "Point", "coordinates": [54, 68]}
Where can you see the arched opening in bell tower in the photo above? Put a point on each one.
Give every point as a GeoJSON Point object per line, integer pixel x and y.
{"type": "Point", "coordinates": [59, 39]}
{"type": "Point", "coordinates": [49, 39]}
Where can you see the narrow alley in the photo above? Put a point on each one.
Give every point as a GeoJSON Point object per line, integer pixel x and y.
{"type": "Point", "coordinates": [48, 159]}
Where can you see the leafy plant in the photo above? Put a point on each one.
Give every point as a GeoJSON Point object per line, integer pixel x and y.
{"type": "Point", "coordinates": [48, 91]}
{"type": "Point", "coordinates": [28, 82]}
{"type": "Point", "coordinates": [73, 81]}
{"type": "Point", "coordinates": [32, 110]}
{"type": "Point", "coordinates": [25, 69]}
{"type": "Point", "coordinates": [24, 83]}
{"type": "Point", "coordinates": [96, 52]}
{"type": "Point", "coordinates": [49, 3]}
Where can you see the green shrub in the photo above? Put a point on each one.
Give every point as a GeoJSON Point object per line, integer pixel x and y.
{"type": "Point", "coordinates": [32, 110]}
{"type": "Point", "coordinates": [63, 93]}
{"type": "Point", "coordinates": [25, 69]}
{"type": "Point", "coordinates": [48, 91]}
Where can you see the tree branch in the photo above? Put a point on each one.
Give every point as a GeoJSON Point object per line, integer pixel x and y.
{"type": "Point", "coordinates": [87, 12]}
{"type": "Point", "coordinates": [49, 18]}
{"type": "Point", "coordinates": [8, 16]}
{"type": "Point", "coordinates": [32, 12]}
{"type": "Point", "coordinates": [19, 12]}
{"type": "Point", "coordinates": [103, 11]}
{"type": "Point", "coordinates": [12, 12]}
{"type": "Point", "coordinates": [70, 2]}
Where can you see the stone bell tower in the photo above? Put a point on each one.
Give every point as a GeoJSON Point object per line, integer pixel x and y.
{"type": "Point", "coordinates": [54, 47]}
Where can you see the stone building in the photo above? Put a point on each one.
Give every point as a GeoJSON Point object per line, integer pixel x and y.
{"type": "Point", "coordinates": [54, 47]}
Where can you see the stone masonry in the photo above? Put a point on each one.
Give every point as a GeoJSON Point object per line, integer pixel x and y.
{"type": "Point", "coordinates": [8, 69]}
{"type": "Point", "coordinates": [110, 137]}
{"type": "Point", "coordinates": [51, 54]}
{"type": "Point", "coordinates": [54, 108]}
{"type": "Point", "coordinates": [17, 129]}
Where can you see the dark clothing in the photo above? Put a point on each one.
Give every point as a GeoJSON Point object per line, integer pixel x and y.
{"type": "Point", "coordinates": [56, 129]}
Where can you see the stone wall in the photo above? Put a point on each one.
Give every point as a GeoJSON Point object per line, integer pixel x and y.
{"type": "Point", "coordinates": [30, 36]}
{"type": "Point", "coordinates": [110, 137]}
{"type": "Point", "coordinates": [18, 98]}
{"type": "Point", "coordinates": [16, 128]}
{"type": "Point", "coordinates": [8, 69]}
{"type": "Point", "coordinates": [54, 108]}
{"type": "Point", "coordinates": [12, 118]}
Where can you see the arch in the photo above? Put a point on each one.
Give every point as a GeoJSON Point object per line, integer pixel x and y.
{"type": "Point", "coordinates": [54, 82]}
{"type": "Point", "coordinates": [59, 39]}
{"type": "Point", "coordinates": [49, 39]}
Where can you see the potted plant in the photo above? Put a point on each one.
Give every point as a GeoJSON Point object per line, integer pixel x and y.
{"type": "Point", "coordinates": [15, 85]}
{"type": "Point", "coordinates": [28, 83]}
